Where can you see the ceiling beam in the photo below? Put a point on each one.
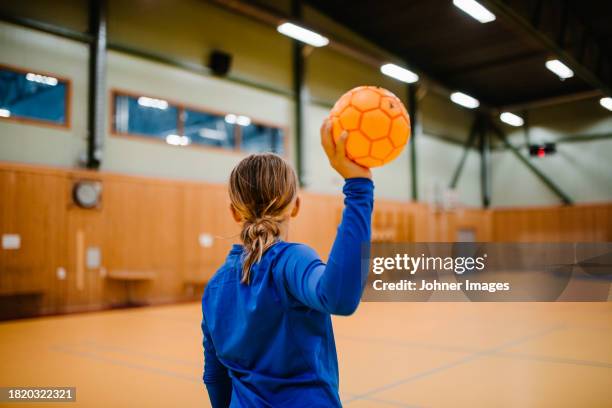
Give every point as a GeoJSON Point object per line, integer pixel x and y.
{"type": "Point", "coordinates": [47, 28]}
{"type": "Point", "coordinates": [556, 46]}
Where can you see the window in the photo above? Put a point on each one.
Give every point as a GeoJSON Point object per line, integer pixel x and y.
{"type": "Point", "coordinates": [145, 116]}
{"type": "Point", "coordinates": [180, 125]}
{"type": "Point", "coordinates": [207, 129]}
{"type": "Point", "coordinates": [258, 138]}
{"type": "Point", "coordinates": [29, 95]}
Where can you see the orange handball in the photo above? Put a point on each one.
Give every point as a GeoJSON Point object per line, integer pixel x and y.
{"type": "Point", "coordinates": [377, 122]}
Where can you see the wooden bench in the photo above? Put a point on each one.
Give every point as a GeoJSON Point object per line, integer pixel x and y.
{"type": "Point", "coordinates": [131, 278]}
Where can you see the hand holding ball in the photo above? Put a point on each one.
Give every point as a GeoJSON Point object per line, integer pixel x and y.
{"type": "Point", "coordinates": [377, 123]}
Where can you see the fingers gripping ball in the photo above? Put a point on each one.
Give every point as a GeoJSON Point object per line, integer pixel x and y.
{"type": "Point", "coordinates": [377, 123]}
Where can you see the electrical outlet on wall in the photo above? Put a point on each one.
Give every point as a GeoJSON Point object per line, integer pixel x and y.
{"type": "Point", "coordinates": [60, 273]}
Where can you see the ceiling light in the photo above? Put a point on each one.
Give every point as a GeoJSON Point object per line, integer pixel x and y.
{"type": "Point", "coordinates": [230, 118]}
{"type": "Point", "coordinates": [41, 79]}
{"type": "Point", "coordinates": [464, 100]}
{"type": "Point", "coordinates": [243, 120]}
{"type": "Point", "coordinates": [605, 102]}
{"type": "Point", "coordinates": [559, 68]}
{"type": "Point", "coordinates": [176, 140]}
{"type": "Point", "coordinates": [5, 113]}
{"type": "Point", "coordinates": [399, 73]}
{"type": "Point", "coordinates": [511, 119]}
{"type": "Point", "coordinates": [475, 9]}
{"type": "Point", "coordinates": [153, 103]}
{"type": "Point", "coordinates": [302, 34]}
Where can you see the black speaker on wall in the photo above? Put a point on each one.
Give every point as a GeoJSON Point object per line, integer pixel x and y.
{"type": "Point", "coordinates": [219, 62]}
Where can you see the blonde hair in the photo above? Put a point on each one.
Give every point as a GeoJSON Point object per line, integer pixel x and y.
{"type": "Point", "coordinates": [261, 189]}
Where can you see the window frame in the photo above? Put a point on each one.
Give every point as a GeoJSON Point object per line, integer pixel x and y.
{"type": "Point", "coordinates": [67, 125]}
{"type": "Point", "coordinates": [182, 107]}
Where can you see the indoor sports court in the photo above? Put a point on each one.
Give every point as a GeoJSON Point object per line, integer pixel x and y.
{"type": "Point", "coordinates": [486, 124]}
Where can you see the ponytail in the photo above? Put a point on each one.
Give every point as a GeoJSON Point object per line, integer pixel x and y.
{"type": "Point", "coordinates": [261, 189]}
{"type": "Point", "coordinates": [257, 236]}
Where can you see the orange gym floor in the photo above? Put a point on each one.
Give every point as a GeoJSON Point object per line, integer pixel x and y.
{"type": "Point", "coordinates": [391, 355]}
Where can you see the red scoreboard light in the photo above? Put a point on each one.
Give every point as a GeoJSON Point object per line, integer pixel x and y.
{"type": "Point", "coordinates": [542, 150]}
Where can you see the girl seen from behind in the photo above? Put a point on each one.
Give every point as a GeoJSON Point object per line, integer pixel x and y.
{"type": "Point", "coordinates": [268, 337]}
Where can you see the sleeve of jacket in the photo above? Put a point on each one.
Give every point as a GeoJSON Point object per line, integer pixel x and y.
{"type": "Point", "coordinates": [337, 287]}
{"type": "Point", "coordinates": [216, 378]}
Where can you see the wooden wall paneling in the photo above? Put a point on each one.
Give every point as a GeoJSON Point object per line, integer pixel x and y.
{"type": "Point", "coordinates": [547, 221]}
{"type": "Point", "coordinates": [522, 228]}
{"type": "Point", "coordinates": [597, 216]}
{"type": "Point", "coordinates": [32, 206]}
{"type": "Point", "coordinates": [499, 221]}
{"type": "Point", "coordinates": [206, 213]}
{"type": "Point", "coordinates": [577, 224]}
{"type": "Point", "coordinates": [565, 232]}
{"type": "Point", "coordinates": [589, 224]}
{"type": "Point", "coordinates": [532, 226]}
{"type": "Point", "coordinates": [198, 219]}
{"type": "Point", "coordinates": [477, 220]}
{"type": "Point", "coordinates": [514, 227]}
{"type": "Point", "coordinates": [422, 223]}
{"type": "Point", "coordinates": [220, 224]}
{"type": "Point", "coordinates": [225, 229]}
{"type": "Point", "coordinates": [143, 234]}
{"type": "Point", "coordinates": [399, 221]}
{"type": "Point", "coordinates": [607, 223]}
{"type": "Point", "coordinates": [573, 220]}
{"type": "Point", "coordinates": [584, 221]}
{"type": "Point", "coordinates": [83, 286]}
{"type": "Point", "coordinates": [154, 225]}
{"type": "Point", "coordinates": [580, 223]}
{"type": "Point", "coordinates": [317, 222]}
{"type": "Point", "coordinates": [597, 233]}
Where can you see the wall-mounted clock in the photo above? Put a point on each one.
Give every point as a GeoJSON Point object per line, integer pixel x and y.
{"type": "Point", "coordinates": [87, 193]}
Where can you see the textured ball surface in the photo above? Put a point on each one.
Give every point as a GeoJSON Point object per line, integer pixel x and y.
{"type": "Point", "coordinates": [377, 122]}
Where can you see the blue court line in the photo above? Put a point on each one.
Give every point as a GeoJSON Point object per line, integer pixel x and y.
{"type": "Point", "coordinates": [194, 323]}
{"type": "Point", "coordinates": [453, 364]}
{"type": "Point", "coordinates": [127, 351]}
{"type": "Point", "coordinates": [124, 363]}
{"type": "Point", "coordinates": [501, 354]}
{"type": "Point", "coordinates": [408, 343]}
{"type": "Point", "coordinates": [381, 400]}
{"type": "Point", "coordinates": [152, 356]}
{"type": "Point", "coordinates": [550, 359]}
{"type": "Point", "coordinates": [389, 402]}
{"type": "Point", "coordinates": [492, 352]}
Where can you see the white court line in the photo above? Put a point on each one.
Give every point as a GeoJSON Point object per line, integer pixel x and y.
{"type": "Point", "coordinates": [452, 364]}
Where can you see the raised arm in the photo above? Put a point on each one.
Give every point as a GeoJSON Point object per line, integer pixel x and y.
{"type": "Point", "coordinates": [336, 287]}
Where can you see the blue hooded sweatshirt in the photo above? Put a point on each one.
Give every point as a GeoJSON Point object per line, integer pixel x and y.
{"type": "Point", "coordinates": [270, 343]}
